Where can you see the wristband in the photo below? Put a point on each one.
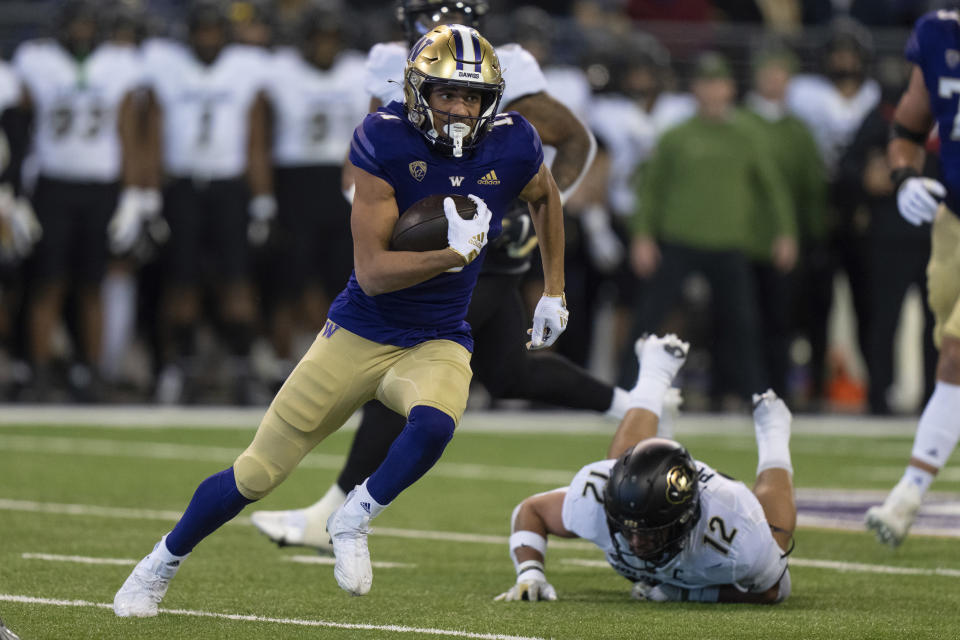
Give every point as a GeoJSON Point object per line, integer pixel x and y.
{"type": "Point", "coordinates": [530, 565]}
{"type": "Point", "coordinates": [901, 174]}
{"type": "Point", "coordinates": [526, 539]}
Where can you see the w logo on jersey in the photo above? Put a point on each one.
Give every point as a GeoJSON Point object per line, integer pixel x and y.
{"type": "Point", "coordinates": [329, 329]}
{"type": "Point", "coordinates": [455, 181]}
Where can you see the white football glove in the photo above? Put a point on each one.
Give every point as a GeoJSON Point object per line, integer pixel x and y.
{"type": "Point", "coordinates": [531, 585]}
{"type": "Point", "coordinates": [918, 199]}
{"type": "Point", "coordinates": [263, 209]}
{"type": "Point", "coordinates": [549, 321]}
{"type": "Point", "coordinates": [125, 225]}
{"type": "Point", "coordinates": [603, 246]}
{"type": "Point", "coordinates": [21, 229]}
{"type": "Point", "coordinates": [467, 237]}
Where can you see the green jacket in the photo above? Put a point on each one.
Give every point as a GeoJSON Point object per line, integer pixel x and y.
{"type": "Point", "coordinates": [790, 144]}
{"type": "Point", "coordinates": [704, 184]}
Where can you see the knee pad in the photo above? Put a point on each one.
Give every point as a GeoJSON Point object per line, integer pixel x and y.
{"type": "Point", "coordinates": [255, 477]}
{"type": "Point", "coordinates": [432, 424]}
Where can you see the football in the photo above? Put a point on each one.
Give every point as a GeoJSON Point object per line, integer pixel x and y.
{"type": "Point", "coordinates": [423, 227]}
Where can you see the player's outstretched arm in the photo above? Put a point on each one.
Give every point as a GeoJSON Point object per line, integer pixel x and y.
{"type": "Point", "coordinates": [532, 520]}
{"type": "Point", "coordinates": [917, 197]}
{"type": "Point", "coordinates": [551, 315]}
{"type": "Point", "coordinates": [723, 593]}
{"type": "Point", "coordinates": [378, 269]}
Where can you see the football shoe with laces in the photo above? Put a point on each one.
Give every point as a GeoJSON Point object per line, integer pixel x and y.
{"type": "Point", "coordinates": [348, 534]}
{"type": "Point", "coordinates": [141, 593]}
{"type": "Point", "coordinates": [892, 520]}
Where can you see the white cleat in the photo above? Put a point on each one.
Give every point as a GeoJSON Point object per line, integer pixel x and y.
{"type": "Point", "coordinates": [661, 357]}
{"type": "Point", "coordinates": [770, 414]}
{"type": "Point", "coordinates": [348, 534]}
{"type": "Point", "coordinates": [141, 593]}
{"type": "Point", "coordinates": [892, 520]}
{"type": "Point", "coordinates": [294, 528]}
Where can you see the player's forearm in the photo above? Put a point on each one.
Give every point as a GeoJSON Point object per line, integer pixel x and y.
{"type": "Point", "coordinates": [259, 168]}
{"type": "Point", "coordinates": [903, 153]}
{"type": "Point", "coordinates": [573, 159]}
{"type": "Point", "coordinates": [387, 271]}
{"type": "Point", "coordinates": [547, 216]}
{"type": "Point", "coordinates": [132, 143]}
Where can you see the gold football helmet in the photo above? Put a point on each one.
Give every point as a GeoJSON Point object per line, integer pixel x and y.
{"type": "Point", "coordinates": [452, 55]}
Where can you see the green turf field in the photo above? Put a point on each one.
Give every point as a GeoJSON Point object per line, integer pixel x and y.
{"type": "Point", "coordinates": [110, 493]}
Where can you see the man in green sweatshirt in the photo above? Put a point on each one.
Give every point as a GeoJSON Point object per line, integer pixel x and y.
{"type": "Point", "coordinates": [696, 213]}
{"type": "Point", "coordinates": [794, 152]}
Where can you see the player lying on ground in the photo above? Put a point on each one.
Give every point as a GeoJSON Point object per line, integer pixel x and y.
{"type": "Point", "coordinates": [678, 529]}
{"type": "Point", "coordinates": [397, 332]}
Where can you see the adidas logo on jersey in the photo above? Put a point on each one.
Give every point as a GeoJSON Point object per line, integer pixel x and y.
{"type": "Point", "coordinates": [489, 179]}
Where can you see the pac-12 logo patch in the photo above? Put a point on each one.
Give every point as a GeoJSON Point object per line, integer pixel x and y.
{"type": "Point", "coordinates": [418, 169]}
{"type": "Point", "coordinates": [953, 57]}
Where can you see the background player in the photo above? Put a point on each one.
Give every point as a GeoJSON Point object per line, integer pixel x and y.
{"type": "Point", "coordinates": [675, 527]}
{"type": "Point", "coordinates": [496, 315]}
{"type": "Point", "coordinates": [930, 98]}
{"type": "Point", "coordinates": [398, 330]}
{"type": "Point", "coordinates": [212, 115]}
{"type": "Point", "coordinates": [80, 94]}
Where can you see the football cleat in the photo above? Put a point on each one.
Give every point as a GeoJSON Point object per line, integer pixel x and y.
{"type": "Point", "coordinates": [348, 534]}
{"type": "Point", "coordinates": [141, 593]}
{"type": "Point", "coordinates": [661, 357]}
{"type": "Point", "coordinates": [770, 413]}
{"type": "Point", "coordinates": [892, 520]}
{"type": "Point", "coordinates": [6, 633]}
{"type": "Point", "coordinates": [301, 527]}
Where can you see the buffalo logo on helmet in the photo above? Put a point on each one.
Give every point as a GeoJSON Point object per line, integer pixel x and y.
{"type": "Point", "coordinates": [679, 485]}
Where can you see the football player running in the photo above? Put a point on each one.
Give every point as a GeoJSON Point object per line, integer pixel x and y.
{"type": "Point", "coordinates": [675, 527]}
{"type": "Point", "coordinates": [397, 332]}
{"type": "Point", "coordinates": [930, 99]}
{"type": "Point", "coordinates": [496, 314]}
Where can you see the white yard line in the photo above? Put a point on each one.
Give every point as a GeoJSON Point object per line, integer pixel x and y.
{"type": "Point", "coordinates": [507, 422]}
{"type": "Point", "coordinates": [53, 557]}
{"type": "Point", "coordinates": [330, 561]}
{"type": "Point", "coordinates": [7, 597]}
{"type": "Point", "coordinates": [444, 536]}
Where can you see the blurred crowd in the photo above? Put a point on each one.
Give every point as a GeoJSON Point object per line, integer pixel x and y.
{"type": "Point", "coordinates": [168, 234]}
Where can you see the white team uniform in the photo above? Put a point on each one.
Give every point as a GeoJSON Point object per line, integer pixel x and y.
{"type": "Point", "coordinates": [386, 62]}
{"type": "Point", "coordinates": [76, 107]}
{"type": "Point", "coordinates": [833, 119]}
{"type": "Point", "coordinates": [205, 108]}
{"type": "Point", "coordinates": [629, 133]}
{"type": "Point", "coordinates": [730, 544]}
{"type": "Point", "coordinates": [10, 90]}
{"type": "Point", "coordinates": [315, 110]}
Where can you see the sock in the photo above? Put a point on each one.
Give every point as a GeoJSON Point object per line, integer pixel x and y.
{"type": "Point", "coordinates": [939, 428]}
{"type": "Point", "coordinates": [363, 504]}
{"type": "Point", "coordinates": [163, 554]}
{"type": "Point", "coordinates": [919, 477]}
{"type": "Point", "coordinates": [416, 449]}
{"type": "Point", "coordinates": [119, 318]}
{"type": "Point", "coordinates": [773, 449]}
{"type": "Point", "coordinates": [215, 502]}
{"type": "Point", "coordinates": [648, 394]}
{"type": "Point", "coordinates": [619, 404]}
{"type": "Point", "coordinates": [334, 497]}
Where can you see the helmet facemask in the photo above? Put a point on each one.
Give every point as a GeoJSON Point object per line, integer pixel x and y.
{"type": "Point", "coordinates": [455, 131]}
{"type": "Point", "coordinates": [654, 545]}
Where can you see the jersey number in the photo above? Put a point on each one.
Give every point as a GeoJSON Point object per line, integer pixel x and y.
{"type": "Point", "coordinates": [62, 119]}
{"type": "Point", "coordinates": [946, 88]}
{"type": "Point", "coordinates": [591, 486]}
{"type": "Point", "coordinates": [205, 131]}
{"type": "Point", "coordinates": [318, 127]}
{"type": "Point", "coordinates": [716, 523]}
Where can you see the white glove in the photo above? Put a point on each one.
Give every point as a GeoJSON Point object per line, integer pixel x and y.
{"type": "Point", "coordinates": [604, 247]}
{"type": "Point", "coordinates": [127, 221]}
{"type": "Point", "coordinates": [918, 199]}
{"type": "Point", "coordinates": [549, 320]}
{"type": "Point", "coordinates": [151, 201]}
{"type": "Point", "coordinates": [263, 208]}
{"type": "Point", "coordinates": [531, 585]}
{"type": "Point", "coordinates": [467, 237]}
{"type": "Point", "coordinates": [23, 228]}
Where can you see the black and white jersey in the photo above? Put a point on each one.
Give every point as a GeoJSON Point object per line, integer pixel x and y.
{"type": "Point", "coordinates": [730, 544]}
{"type": "Point", "coordinates": [315, 110]}
{"type": "Point", "coordinates": [206, 109]}
{"type": "Point", "coordinates": [76, 107]}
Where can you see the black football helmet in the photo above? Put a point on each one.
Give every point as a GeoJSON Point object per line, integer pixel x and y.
{"type": "Point", "coordinates": [77, 26]}
{"type": "Point", "coordinates": [652, 501]}
{"type": "Point", "coordinates": [419, 17]}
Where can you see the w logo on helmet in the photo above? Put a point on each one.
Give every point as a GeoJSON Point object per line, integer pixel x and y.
{"type": "Point", "coordinates": [679, 485]}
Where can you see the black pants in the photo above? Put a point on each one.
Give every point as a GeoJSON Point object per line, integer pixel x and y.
{"type": "Point", "coordinates": [774, 304]}
{"type": "Point", "coordinates": [734, 309]}
{"type": "Point", "coordinates": [893, 269]}
{"type": "Point", "coordinates": [500, 361]}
